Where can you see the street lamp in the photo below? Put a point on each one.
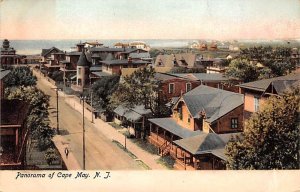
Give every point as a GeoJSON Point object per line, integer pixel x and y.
{"type": "Point", "coordinates": [83, 98]}
{"type": "Point", "coordinates": [57, 120]}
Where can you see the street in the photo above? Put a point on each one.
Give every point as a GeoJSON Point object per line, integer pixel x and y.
{"type": "Point", "coordinates": [101, 153]}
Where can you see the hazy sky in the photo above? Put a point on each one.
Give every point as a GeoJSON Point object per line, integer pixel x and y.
{"type": "Point", "coordinates": [149, 19]}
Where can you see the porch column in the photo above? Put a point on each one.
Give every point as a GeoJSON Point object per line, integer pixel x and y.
{"type": "Point", "coordinates": [195, 163]}
{"type": "Point", "coordinates": [150, 128]}
{"type": "Point", "coordinates": [165, 134]}
{"type": "Point", "coordinates": [184, 160]}
{"type": "Point", "coordinates": [176, 151]}
{"type": "Point", "coordinates": [172, 141]}
{"type": "Point", "coordinates": [156, 132]}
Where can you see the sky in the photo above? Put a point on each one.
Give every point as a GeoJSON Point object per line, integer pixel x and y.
{"type": "Point", "coordinates": [150, 19]}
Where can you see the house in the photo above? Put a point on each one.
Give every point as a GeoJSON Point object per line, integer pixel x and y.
{"type": "Point", "coordinates": [257, 92]}
{"type": "Point", "coordinates": [172, 85]}
{"type": "Point", "coordinates": [133, 118]}
{"type": "Point", "coordinates": [176, 60]}
{"type": "Point", "coordinates": [3, 75]}
{"type": "Point", "coordinates": [8, 54]}
{"type": "Point", "coordinates": [139, 45]}
{"type": "Point", "coordinates": [13, 130]}
{"type": "Point", "coordinates": [200, 115]}
{"type": "Point", "coordinates": [46, 54]}
{"type": "Point", "coordinates": [217, 80]}
{"type": "Point", "coordinates": [114, 66]}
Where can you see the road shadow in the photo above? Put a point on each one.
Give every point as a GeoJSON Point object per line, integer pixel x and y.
{"type": "Point", "coordinates": [64, 132]}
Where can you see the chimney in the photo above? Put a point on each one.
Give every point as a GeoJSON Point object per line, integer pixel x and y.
{"type": "Point", "coordinates": [129, 60]}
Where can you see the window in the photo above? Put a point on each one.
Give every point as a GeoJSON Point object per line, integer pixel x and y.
{"type": "Point", "coordinates": [180, 113]}
{"type": "Point", "coordinates": [256, 103]}
{"type": "Point", "coordinates": [234, 123]}
{"type": "Point", "coordinates": [189, 119]}
{"type": "Point", "coordinates": [188, 87]}
{"type": "Point", "coordinates": [171, 88]}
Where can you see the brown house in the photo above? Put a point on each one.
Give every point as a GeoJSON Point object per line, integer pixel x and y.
{"type": "Point", "coordinates": [3, 74]}
{"type": "Point", "coordinates": [13, 131]}
{"type": "Point", "coordinates": [216, 80]}
{"type": "Point", "coordinates": [175, 86]}
{"type": "Point", "coordinates": [176, 60]}
{"type": "Point", "coordinates": [202, 113]}
{"type": "Point", "coordinates": [115, 66]}
{"type": "Point", "coordinates": [256, 92]}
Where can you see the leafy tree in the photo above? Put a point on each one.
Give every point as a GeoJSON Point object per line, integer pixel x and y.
{"type": "Point", "coordinates": [271, 137]}
{"type": "Point", "coordinates": [187, 70]}
{"type": "Point", "coordinates": [278, 59]}
{"type": "Point", "coordinates": [20, 76]}
{"type": "Point", "coordinates": [102, 90]}
{"type": "Point", "coordinates": [243, 70]}
{"type": "Point", "coordinates": [37, 119]}
{"type": "Point", "coordinates": [51, 156]}
{"type": "Point", "coordinates": [140, 88]}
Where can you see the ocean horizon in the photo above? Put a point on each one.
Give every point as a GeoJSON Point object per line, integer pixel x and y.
{"type": "Point", "coordinates": [32, 47]}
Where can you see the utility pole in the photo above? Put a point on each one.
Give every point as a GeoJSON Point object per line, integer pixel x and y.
{"type": "Point", "coordinates": [57, 118]}
{"type": "Point", "coordinates": [83, 133]}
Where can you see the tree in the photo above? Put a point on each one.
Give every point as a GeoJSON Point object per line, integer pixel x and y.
{"type": "Point", "coordinates": [187, 70]}
{"type": "Point", "coordinates": [277, 60]}
{"type": "Point", "coordinates": [271, 136]}
{"type": "Point", "coordinates": [37, 119]}
{"type": "Point", "coordinates": [102, 90]}
{"type": "Point", "coordinates": [140, 88]}
{"type": "Point", "coordinates": [20, 76]}
{"type": "Point", "coordinates": [243, 70]}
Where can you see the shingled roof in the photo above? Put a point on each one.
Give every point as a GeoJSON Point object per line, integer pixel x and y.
{"type": "Point", "coordinates": [47, 51]}
{"type": "Point", "coordinates": [214, 102]}
{"type": "Point", "coordinates": [83, 61]}
{"type": "Point", "coordinates": [202, 143]}
{"type": "Point", "coordinates": [171, 125]}
{"type": "Point", "coordinates": [134, 114]}
{"type": "Point", "coordinates": [262, 85]}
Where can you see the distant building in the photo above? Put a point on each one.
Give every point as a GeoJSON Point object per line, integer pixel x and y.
{"type": "Point", "coordinates": [176, 60]}
{"type": "Point", "coordinates": [8, 54]}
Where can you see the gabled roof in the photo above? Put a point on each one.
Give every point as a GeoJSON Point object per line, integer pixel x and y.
{"type": "Point", "coordinates": [202, 143]}
{"type": "Point", "coordinates": [4, 73]}
{"type": "Point", "coordinates": [133, 114]}
{"type": "Point", "coordinates": [181, 59]}
{"type": "Point", "coordinates": [82, 61]}
{"type": "Point", "coordinates": [47, 51]}
{"type": "Point", "coordinates": [214, 102]}
{"type": "Point", "coordinates": [262, 85]}
{"type": "Point", "coordinates": [171, 125]}
{"type": "Point", "coordinates": [280, 86]}
{"type": "Point", "coordinates": [203, 76]}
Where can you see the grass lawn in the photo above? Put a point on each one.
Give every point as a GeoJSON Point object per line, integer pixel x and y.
{"type": "Point", "coordinates": [167, 161]}
{"type": "Point", "coordinates": [145, 145]}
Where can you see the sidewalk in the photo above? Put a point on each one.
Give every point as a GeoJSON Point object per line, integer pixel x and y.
{"type": "Point", "coordinates": [70, 161]}
{"type": "Point", "coordinates": [113, 134]}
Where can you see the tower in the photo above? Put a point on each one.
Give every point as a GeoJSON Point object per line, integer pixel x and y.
{"type": "Point", "coordinates": [82, 70]}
